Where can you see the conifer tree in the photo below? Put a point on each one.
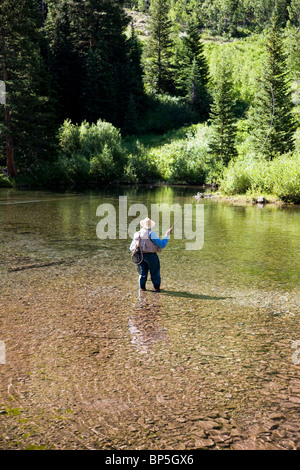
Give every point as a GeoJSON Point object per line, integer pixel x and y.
{"type": "Point", "coordinates": [271, 118]}
{"type": "Point", "coordinates": [135, 70]}
{"type": "Point", "coordinates": [65, 63]}
{"type": "Point", "coordinates": [222, 116]}
{"type": "Point", "coordinates": [158, 51]}
{"type": "Point", "coordinates": [294, 12]}
{"type": "Point", "coordinates": [194, 87]}
{"type": "Point", "coordinates": [99, 34]}
{"type": "Point", "coordinates": [135, 85]}
{"type": "Point", "coordinates": [28, 121]}
{"type": "Point", "coordinates": [193, 71]}
{"type": "Point", "coordinates": [194, 48]}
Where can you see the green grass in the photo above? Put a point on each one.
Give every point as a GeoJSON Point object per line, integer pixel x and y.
{"type": "Point", "coordinates": [155, 140]}
{"type": "Point", "coordinates": [254, 176]}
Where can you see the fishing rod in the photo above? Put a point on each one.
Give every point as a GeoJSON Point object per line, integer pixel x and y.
{"type": "Point", "coordinates": [196, 199]}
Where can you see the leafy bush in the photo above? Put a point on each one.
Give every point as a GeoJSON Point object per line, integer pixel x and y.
{"type": "Point", "coordinates": [74, 171]}
{"type": "Point", "coordinates": [69, 138]}
{"type": "Point", "coordinates": [285, 174]}
{"type": "Point", "coordinates": [245, 59]}
{"type": "Point", "coordinates": [140, 167]}
{"type": "Point", "coordinates": [91, 153]}
{"type": "Point", "coordinates": [279, 177]}
{"type": "Point", "coordinates": [104, 167]}
{"type": "Point", "coordinates": [5, 182]}
{"type": "Point", "coordinates": [42, 175]}
{"type": "Point", "coordinates": [188, 160]}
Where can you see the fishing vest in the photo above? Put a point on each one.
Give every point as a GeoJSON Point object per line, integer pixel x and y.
{"type": "Point", "coordinates": [146, 245]}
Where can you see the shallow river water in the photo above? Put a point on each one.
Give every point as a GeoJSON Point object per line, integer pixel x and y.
{"type": "Point", "coordinates": [87, 361]}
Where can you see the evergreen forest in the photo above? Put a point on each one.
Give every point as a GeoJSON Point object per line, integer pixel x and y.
{"type": "Point", "coordinates": [198, 92]}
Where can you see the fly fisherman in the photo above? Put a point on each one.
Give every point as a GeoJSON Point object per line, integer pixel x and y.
{"type": "Point", "coordinates": [150, 244]}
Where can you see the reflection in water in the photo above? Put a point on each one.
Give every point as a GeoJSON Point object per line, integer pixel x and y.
{"type": "Point", "coordinates": [144, 325]}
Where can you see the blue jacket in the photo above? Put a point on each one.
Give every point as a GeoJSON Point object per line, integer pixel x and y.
{"type": "Point", "coordinates": [155, 239]}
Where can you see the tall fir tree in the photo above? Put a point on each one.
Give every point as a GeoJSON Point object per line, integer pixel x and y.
{"type": "Point", "coordinates": [271, 118]}
{"type": "Point", "coordinates": [99, 28]}
{"type": "Point", "coordinates": [65, 62]}
{"type": "Point", "coordinates": [222, 115]}
{"type": "Point", "coordinates": [28, 121]}
{"type": "Point", "coordinates": [158, 50]}
{"type": "Point", "coordinates": [294, 12]}
{"type": "Point", "coordinates": [195, 88]}
{"type": "Point", "coordinates": [135, 86]}
{"type": "Point", "coordinates": [134, 69]}
{"type": "Point", "coordinates": [192, 71]}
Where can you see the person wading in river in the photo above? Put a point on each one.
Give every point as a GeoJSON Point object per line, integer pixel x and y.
{"type": "Point", "coordinates": [150, 244]}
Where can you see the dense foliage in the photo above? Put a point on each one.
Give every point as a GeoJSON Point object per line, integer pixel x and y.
{"type": "Point", "coordinates": [233, 17]}
{"type": "Point", "coordinates": [181, 91]}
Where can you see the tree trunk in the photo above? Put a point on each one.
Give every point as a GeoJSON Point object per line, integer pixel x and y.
{"type": "Point", "coordinates": [10, 161]}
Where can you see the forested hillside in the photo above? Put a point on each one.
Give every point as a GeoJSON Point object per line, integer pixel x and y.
{"type": "Point", "coordinates": [186, 91]}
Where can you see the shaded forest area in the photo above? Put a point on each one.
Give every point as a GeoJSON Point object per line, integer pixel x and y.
{"type": "Point", "coordinates": [186, 91]}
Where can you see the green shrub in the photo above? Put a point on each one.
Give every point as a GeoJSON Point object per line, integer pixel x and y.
{"type": "Point", "coordinates": [74, 171]}
{"type": "Point", "coordinates": [285, 174]}
{"type": "Point", "coordinates": [91, 153]}
{"type": "Point", "coordinates": [141, 168]}
{"type": "Point", "coordinates": [246, 175]}
{"type": "Point", "coordinates": [104, 168]}
{"type": "Point", "coordinates": [188, 160]}
{"type": "Point", "coordinates": [94, 138]}
{"type": "Point", "coordinates": [5, 182]}
{"type": "Point", "coordinates": [69, 138]}
{"type": "Point", "coordinates": [42, 175]}
{"type": "Point", "coordinates": [279, 177]}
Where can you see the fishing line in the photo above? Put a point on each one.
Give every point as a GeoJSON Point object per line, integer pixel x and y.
{"type": "Point", "coordinates": [197, 197]}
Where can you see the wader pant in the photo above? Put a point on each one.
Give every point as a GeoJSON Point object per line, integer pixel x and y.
{"type": "Point", "coordinates": [150, 263]}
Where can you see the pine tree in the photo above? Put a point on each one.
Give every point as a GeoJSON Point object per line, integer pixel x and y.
{"type": "Point", "coordinates": [135, 85]}
{"type": "Point", "coordinates": [99, 28]}
{"type": "Point", "coordinates": [158, 52]}
{"type": "Point", "coordinates": [281, 11]}
{"type": "Point", "coordinates": [222, 116]}
{"type": "Point", "coordinates": [271, 119]}
{"type": "Point", "coordinates": [195, 49]}
{"type": "Point", "coordinates": [135, 70]}
{"type": "Point", "coordinates": [65, 63]}
{"type": "Point", "coordinates": [28, 121]}
{"type": "Point", "coordinates": [194, 87]}
{"type": "Point", "coordinates": [193, 72]}
{"type": "Point", "coordinates": [294, 12]}
{"type": "Point", "coordinates": [99, 91]}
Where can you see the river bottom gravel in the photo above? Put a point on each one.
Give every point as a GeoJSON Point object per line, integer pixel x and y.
{"type": "Point", "coordinates": [92, 364]}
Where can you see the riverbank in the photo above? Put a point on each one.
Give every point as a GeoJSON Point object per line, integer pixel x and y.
{"type": "Point", "coordinates": [248, 199]}
{"type": "Point", "coordinates": [204, 190]}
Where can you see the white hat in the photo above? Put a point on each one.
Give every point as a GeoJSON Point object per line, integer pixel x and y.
{"type": "Point", "coordinates": [147, 223]}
